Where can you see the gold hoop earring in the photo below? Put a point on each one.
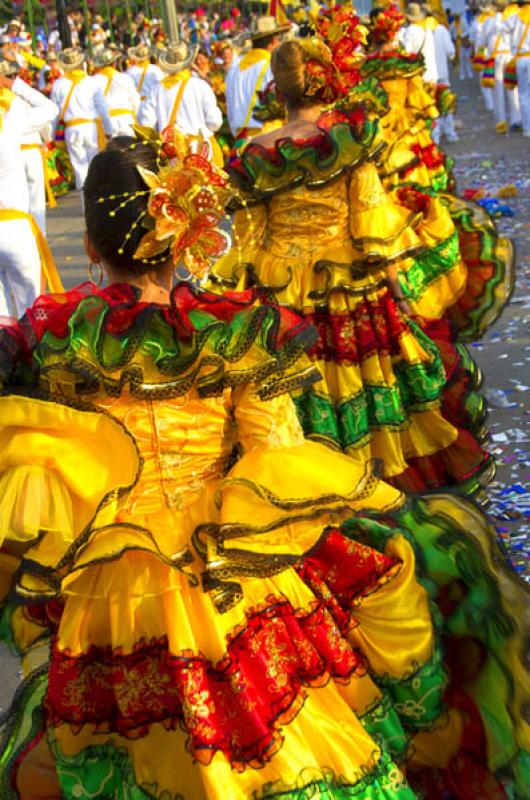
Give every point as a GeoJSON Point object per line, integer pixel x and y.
{"type": "Point", "coordinates": [91, 275]}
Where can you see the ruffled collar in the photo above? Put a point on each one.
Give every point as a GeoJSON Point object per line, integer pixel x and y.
{"type": "Point", "coordinates": [109, 340]}
{"type": "Point", "coordinates": [393, 64]}
{"type": "Point", "coordinates": [345, 136]}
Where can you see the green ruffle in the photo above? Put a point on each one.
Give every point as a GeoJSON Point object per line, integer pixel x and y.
{"type": "Point", "coordinates": [460, 565]}
{"type": "Point", "coordinates": [109, 346]}
{"type": "Point", "coordinates": [397, 65]}
{"type": "Point", "coordinates": [472, 221]}
{"type": "Point", "coordinates": [428, 266]}
{"type": "Point", "coordinates": [21, 727]}
{"type": "Point", "coordinates": [343, 142]}
{"type": "Point", "coordinates": [349, 423]}
{"type": "Point", "coordinates": [106, 773]}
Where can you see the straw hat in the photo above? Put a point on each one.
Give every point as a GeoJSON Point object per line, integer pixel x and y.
{"type": "Point", "coordinates": [8, 69]}
{"type": "Point", "coordinates": [177, 56]}
{"type": "Point", "coordinates": [242, 42]}
{"type": "Point", "coordinates": [267, 26]}
{"type": "Point", "coordinates": [105, 57]}
{"type": "Point", "coordinates": [71, 58]}
{"type": "Point", "coordinates": [139, 53]}
{"type": "Point", "coordinates": [414, 12]}
{"type": "Point", "coordinates": [51, 56]}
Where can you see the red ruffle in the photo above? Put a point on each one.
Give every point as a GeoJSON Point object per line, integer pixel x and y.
{"type": "Point", "coordinates": [372, 327]}
{"type": "Point", "coordinates": [235, 705]}
{"type": "Point", "coordinates": [52, 313]}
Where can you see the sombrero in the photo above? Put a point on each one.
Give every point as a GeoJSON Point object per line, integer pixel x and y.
{"type": "Point", "coordinates": [71, 58]}
{"type": "Point", "coordinates": [265, 27]}
{"type": "Point", "coordinates": [177, 56]}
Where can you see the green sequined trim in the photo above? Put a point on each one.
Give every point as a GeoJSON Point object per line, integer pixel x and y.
{"type": "Point", "coordinates": [383, 724]}
{"type": "Point", "coordinates": [429, 266]}
{"type": "Point", "coordinates": [106, 773]}
{"type": "Point", "coordinates": [349, 423]}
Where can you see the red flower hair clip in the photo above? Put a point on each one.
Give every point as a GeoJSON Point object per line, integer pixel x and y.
{"type": "Point", "coordinates": [386, 24]}
{"type": "Point", "coordinates": [187, 199]}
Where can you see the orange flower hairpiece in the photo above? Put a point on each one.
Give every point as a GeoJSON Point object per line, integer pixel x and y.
{"type": "Point", "coordinates": [386, 24]}
{"type": "Point", "coordinates": [340, 29]}
{"type": "Point", "coordinates": [187, 200]}
{"type": "Point", "coordinates": [323, 81]}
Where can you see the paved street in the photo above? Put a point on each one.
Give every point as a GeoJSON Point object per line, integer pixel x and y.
{"type": "Point", "coordinates": [486, 160]}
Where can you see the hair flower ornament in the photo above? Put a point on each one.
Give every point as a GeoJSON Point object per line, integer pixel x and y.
{"type": "Point", "coordinates": [186, 205]}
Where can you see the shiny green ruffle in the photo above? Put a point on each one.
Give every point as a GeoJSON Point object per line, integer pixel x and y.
{"type": "Point", "coordinates": [349, 422]}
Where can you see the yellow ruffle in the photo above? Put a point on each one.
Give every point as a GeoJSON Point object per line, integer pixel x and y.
{"type": "Point", "coordinates": [56, 466]}
{"type": "Point", "coordinates": [379, 227]}
{"type": "Point", "coordinates": [103, 608]}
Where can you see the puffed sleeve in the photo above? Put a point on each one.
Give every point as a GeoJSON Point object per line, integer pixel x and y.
{"type": "Point", "coordinates": [381, 229]}
{"type": "Point", "coordinates": [57, 466]}
{"type": "Point", "coordinates": [279, 497]}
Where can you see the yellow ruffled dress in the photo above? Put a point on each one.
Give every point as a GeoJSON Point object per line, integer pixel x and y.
{"type": "Point", "coordinates": [218, 625]}
{"type": "Point", "coordinates": [318, 229]}
{"type": "Point", "coordinates": [465, 269]}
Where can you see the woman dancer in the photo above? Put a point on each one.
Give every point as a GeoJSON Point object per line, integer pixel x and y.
{"type": "Point", "coordinates": [321, 232]}
{"type": "Point", "coordinates": [465, 270]}
{"type": "Point", "coordinates": [218, 628]}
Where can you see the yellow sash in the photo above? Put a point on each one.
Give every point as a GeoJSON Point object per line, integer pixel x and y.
{"type": "Point", "coordinates": [521, 41]}
{"type": "Point", "coordinates": [49, 275]}
{"type": "Point", "coordinates": [108, 73]}
{"type": "Point", "coordinates": [142, 78]}
{"type": "Point", "coordinates": [49, 194]}
{"type": "Point", "coordinates": [183, 80]}
{"type": "Point", "coordinates": [6, 98]}
{"type": "Point", "coordinates": [253, 57]}
{"type": "Point", "coordinates": [257, 85]}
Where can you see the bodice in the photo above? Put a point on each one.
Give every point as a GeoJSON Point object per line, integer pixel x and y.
{"type": "Point", "coordinates": [304, 223]}
{"type": "Point", "coordinates": [184, 442]}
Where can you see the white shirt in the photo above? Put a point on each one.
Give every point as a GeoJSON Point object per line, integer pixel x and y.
{"type": "Point", "coordinates": [416, 39]}
{"type": "Point", "coordinates": [444, 51]}
{"type": "Point", "coordinates": [152, 77]}
{"type": "Point", "coordinates": [29, 112]}
{"type": "Point", "coordinates": [497, 36]}
{"type": "Point", "coordinates": [198, 112]}
{"type": "Point", "coordinates": [242, 86]}
{"type": "Point", "coordinates": [121, 93]}
{"type": "Point", "coordinates": [87, 101]}
{"type": "Point", "coordinates": [519, 33]}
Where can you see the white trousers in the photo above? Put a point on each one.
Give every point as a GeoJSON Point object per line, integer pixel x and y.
{"type": "Point", "coordinates": [37, 193]}
{"type": "Point", "coordinates": [82, 145]}
{"type": "Point", "coordinates": [466, 70]}
{"type": "Point", "coordinates": [523, 86]}
{"type": "Point", "coordinates": [446, 127]}
{"type": "Point", "coordinates": [487, 96]}
{"type": "Point", "coordinates": [20, 270]}
{"type": "Point", "coordinates": [502, 98]}
{"type": "Point", "coordinates": [122, 125]}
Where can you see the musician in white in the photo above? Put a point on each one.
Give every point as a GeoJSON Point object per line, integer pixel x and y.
{"type": "Point", "coordinates": [499, 47]}
{"type": "Point", "coordinates": [182, 99]}
{"type": "Point", "coordinates": [249, 76]}
{"type": "Point", "coordinates": [82, 106]}
{"type": "Point", "coordinates": [417, 38]}
{"type": "Point", "coordinates": [23, 111]}
{"type": "Point", "coordinates": [521, 49]}
{"type": "Point", "coordinates": [146, 76]}
{"type": "Point", "coordinates": [118, 88]}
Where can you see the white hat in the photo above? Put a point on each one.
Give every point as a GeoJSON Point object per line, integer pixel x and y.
{"type": "Point", "coordinates": [177, 56]}
{"type": "Point", "coordinates": [265, 27]}
{"type": "Point", "coordinates": [70, 58]}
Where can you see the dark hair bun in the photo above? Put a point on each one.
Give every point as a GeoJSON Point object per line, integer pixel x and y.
{"type": "Point", "coordinates": [114, 226]}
